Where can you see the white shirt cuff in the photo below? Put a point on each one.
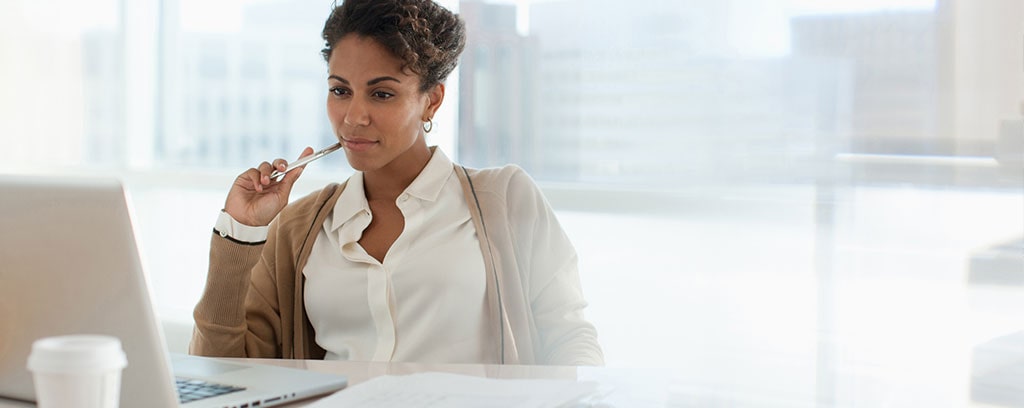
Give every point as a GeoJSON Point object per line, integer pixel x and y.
{"type": "Point", "coordinates": [228, 227]}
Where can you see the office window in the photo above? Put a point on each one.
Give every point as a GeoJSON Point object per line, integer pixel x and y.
{"type": "Point", "coordinates": [241, 81]}
{"type": "Point", "coordinates": [62, 99]}
{"type": "Point", "coordinates": [760, 192]}
{"type": "Point", "coordinates": [753, 183]}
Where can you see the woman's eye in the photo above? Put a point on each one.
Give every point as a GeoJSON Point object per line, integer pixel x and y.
{"type": "Point", "coordinates": [338, 91]}
{"type": "Point", "coordinates": [383, 95]}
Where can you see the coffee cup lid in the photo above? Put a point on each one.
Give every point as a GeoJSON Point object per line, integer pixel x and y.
{"type": "Point", "coordinates": [77, 353]}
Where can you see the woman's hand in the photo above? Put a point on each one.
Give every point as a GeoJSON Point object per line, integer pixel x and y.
{"type": "Point", "coordinates": [255, 199]}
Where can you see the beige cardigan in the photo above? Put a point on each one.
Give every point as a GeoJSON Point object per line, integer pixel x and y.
{"type": "Point", "coordinates": [253, 302]}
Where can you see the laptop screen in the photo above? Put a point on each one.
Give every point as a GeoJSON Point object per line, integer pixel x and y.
{"type": "Point", "coordinates": [70, 265]}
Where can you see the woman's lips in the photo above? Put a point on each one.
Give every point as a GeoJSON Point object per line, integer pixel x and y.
{"type": "Point", "coordinates": [358, 145]}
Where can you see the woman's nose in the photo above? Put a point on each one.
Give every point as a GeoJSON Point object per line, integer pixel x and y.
{"type": "Point", "coordinates": [356, 114]}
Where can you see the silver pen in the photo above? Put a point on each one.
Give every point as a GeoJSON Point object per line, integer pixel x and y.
{"type": "Point", "coordinates": [277, 175]}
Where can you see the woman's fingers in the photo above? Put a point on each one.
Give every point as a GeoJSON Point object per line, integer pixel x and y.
{"type": "Point", "coordinates": [280, 164]}
{"type": "Point", "coordinates": [290, 177]}
{"type": "Point", "coordinates": [249, 179]}
{"type": "Point", "coordinates": [264, 170]}
{"type": "Point", "coordinates": [255, 198]}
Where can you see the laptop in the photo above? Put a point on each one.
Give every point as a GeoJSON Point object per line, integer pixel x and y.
{"type": "Point", "coordinates": [69, 264]}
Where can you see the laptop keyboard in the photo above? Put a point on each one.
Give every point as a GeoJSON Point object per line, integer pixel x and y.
{"type": "Point", "coordinates": [192, 390]}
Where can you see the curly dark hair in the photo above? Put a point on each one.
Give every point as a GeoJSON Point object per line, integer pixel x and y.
{"type": "Point", "coordinates": [427, 36]}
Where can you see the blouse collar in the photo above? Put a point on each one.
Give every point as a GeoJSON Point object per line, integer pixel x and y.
{"type": "Point", "coordinates": [426, 186]}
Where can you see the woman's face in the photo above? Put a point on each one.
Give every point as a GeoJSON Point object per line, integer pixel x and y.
{"type": "Point", "coordinates": [376, 108]}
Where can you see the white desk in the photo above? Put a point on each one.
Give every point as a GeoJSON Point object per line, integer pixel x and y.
{"type": "Point", "coordinates": [999, 383]}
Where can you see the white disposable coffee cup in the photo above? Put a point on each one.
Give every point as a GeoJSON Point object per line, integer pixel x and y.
{"type": "Point", "coordinates": [77, 371]}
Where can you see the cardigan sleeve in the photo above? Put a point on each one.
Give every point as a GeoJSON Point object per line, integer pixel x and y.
{"type": "Point", "coordinates": [549, 262]}
{"type": "Point", "coordinates": [237, 315]}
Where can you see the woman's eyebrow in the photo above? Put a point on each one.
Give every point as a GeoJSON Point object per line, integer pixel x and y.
{"type": "Point", "coordinates": [369, 83]}
{"type": "Point", "coordinates": [376, 81]}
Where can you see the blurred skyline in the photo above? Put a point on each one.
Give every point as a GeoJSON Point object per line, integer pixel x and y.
{"type": "Point", "coordinates": [625, 94]}
{"type": "Point", "coordinates": [670, 94]}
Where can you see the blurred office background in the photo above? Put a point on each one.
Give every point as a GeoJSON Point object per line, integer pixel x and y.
{"type": "Point", "coordinates": [797, 199]}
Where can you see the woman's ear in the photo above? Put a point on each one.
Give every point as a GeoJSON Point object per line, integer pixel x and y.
{"type": "Point", "coordinates": [435, 96]}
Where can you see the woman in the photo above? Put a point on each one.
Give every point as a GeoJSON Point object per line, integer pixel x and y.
{"type": "Point", "coordinates": [413, 258]}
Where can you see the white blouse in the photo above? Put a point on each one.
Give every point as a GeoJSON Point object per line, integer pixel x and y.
{"type": "Point", "coordinates": [424, 303]}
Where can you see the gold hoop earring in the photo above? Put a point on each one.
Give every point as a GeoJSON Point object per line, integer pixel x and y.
{"type": "Point", "coordinates": [428, 125]}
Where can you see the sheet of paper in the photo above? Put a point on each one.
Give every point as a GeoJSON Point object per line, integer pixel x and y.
{"type": "Point", "coordinates": [444, 390]}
